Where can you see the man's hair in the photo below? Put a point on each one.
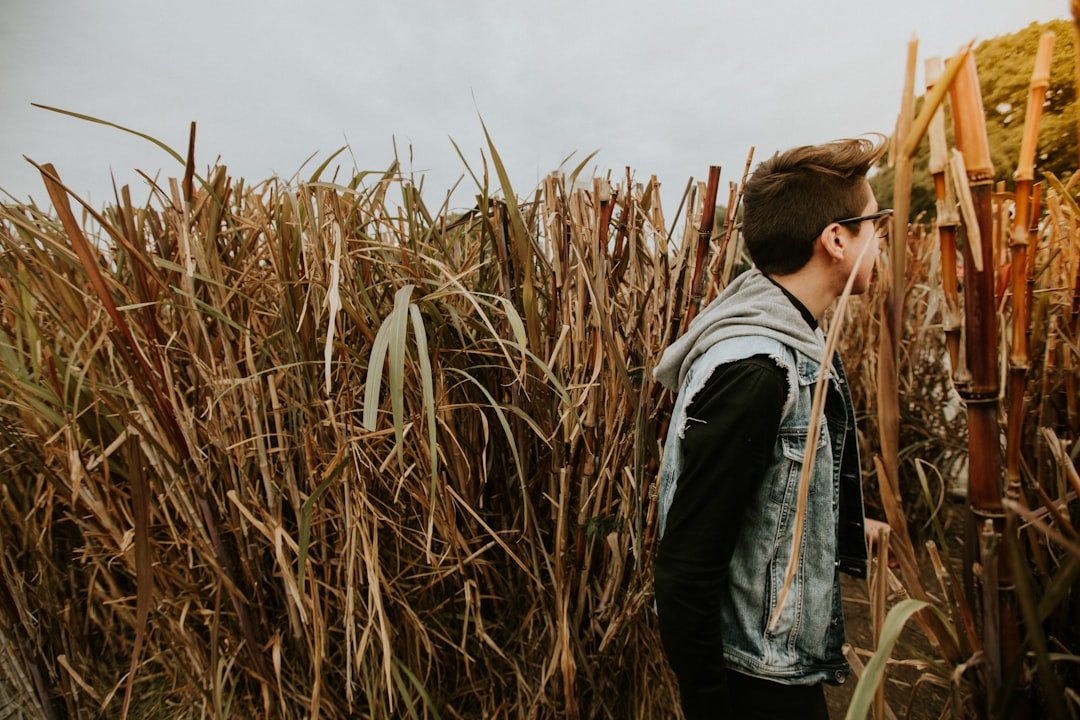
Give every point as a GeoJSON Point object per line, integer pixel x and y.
{"type": "Point", "coordinates": [794, 195]}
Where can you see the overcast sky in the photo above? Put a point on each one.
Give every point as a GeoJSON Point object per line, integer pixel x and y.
{"type": "Point", "coordinates": [666, 87]}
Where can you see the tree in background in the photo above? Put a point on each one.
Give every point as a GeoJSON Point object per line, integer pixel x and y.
{"type": "Point", "coordinates": [1005, 64]}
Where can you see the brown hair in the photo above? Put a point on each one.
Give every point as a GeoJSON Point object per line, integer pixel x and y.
{"type": "Point", "coordinates": [794, 195]}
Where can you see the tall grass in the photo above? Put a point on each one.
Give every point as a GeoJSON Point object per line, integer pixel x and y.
{"type": "Point", "coordinates": [319, 449]}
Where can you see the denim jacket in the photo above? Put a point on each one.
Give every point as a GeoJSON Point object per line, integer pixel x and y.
{"type": "Point", "coordinates": [805, 645]}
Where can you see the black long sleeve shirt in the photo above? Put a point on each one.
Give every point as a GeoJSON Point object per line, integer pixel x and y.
{"type": "Point", "coordinates": [731, 430]}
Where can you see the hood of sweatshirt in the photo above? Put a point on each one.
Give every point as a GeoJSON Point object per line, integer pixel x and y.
{"type": "Point", "coordinates": [750, 305]}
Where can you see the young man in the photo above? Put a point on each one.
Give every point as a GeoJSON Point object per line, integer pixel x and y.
{"type": "Point", "coordinates": [745, 373]}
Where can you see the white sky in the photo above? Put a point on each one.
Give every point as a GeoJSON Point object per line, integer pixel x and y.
{"type": "Point", "coordinates": [667, 87]}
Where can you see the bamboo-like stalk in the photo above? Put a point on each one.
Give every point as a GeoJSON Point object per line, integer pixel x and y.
{"type": "Point", "coordinates": [981, 337]}
{"type": "Point", "coordinates": [1020, 242]}
{"type": "Point", "coordinates": [722, 265]}
{"type": "Point", "coordinates": [676, 308]}
{"type": "Point", "coordinates": [878, 594]}
{"type": "Point", "coordinates": [981, 396]}
{"type": "Point", "coordinates": [902, 194]}
{"type": "Point", "coordinates": [910, 131]}
{"type": "Point", "coordinates": [947, 220]}
{"type": "Point", "coordinates": [892, 300]}
{"type": "Point", "coordinates": [989, 559]}
{"type": "Point", "coordinates": [891, 316]}
{"type": "Point", "coordinates": [704, 238]}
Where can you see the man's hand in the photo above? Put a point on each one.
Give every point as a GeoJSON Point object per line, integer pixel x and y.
{"type": "Point", "coordinates": [876, 531]}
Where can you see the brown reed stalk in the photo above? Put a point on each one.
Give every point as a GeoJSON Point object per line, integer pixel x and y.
{"type": "Point", "coordinates": [892, 300]}
{"type": "Point", "coordinates": [909, 133]}
{"type": "Point", "coordinates": [981, 396]}
{"type": "Point", "coordinates": [981, 338]}
{"type": "Point", "coordinates": [1020, 242]}
{"type": "Point", "coordinates": [723, 264]}
{"type": "Point", "coordinates": [675, 301]}
{"type": "Point", "coordinates": [1033, 232]}
{"type": "Point", "coordinates": [947, 220]}
{"type": "Point", "coordinates": [879, 586]}
{"type": "Point", "coordinates": [891, 316]}
{"type": "Point", "coordinates": [704, 239]}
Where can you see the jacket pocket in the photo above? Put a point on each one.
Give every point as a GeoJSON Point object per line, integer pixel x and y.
{"type": "Point", "coordinates": [785, 491]}
{"type": "Point", "coordinates": [793, 441]}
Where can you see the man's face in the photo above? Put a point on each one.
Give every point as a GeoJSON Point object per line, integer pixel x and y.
{"type": "Point", "coordinates": [869, 233]}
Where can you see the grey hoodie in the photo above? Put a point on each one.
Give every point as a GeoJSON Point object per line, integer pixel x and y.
{"type": "Point", "coordinates": [750, 305]}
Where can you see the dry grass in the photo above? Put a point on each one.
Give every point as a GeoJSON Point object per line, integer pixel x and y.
{"type": "Point", "coordinates": [333, 453]}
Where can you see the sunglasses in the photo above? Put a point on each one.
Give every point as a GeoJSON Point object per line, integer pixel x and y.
{"type": "Point", "coordinates": [880, 218]}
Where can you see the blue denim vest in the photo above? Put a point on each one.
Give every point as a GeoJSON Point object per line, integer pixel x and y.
{"type": "Point", "coordinates": [805, 645]}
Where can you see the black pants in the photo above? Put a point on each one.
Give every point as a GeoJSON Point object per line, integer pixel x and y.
{"type": "Point", "coordinates": [756, 699]}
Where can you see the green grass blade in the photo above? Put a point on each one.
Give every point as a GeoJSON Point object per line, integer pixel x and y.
{"type": "Point", "coordinates": [319, 170]}
{"type": "Point", "coordinates": [515, 322]}
{"type": "Point", "coordinates": [80, 116]}
{"type": "Point", "coordinates": [399, 331]}
{"type": "Point", "coordinates": [428, 392]}
{"type": "Point", "coordinates": [875, 669]}
{"type": "Point", "coordinates": [373, 383]}
{"type": "Point", "coordinates": [581, 166]}
{"type": "Point", "coordinates": [420, 690]}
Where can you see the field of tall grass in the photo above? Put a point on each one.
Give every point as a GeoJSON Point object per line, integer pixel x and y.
{"type": "Point", "coordinates": [323, 449]}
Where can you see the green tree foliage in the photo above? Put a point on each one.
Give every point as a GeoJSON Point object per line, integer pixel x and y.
{"type": "Point", "coordinates": [1005, 64]}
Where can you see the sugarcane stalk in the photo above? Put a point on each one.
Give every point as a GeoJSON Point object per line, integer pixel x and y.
{"type": "Point", "coordinates": [909, 133]}
{"type": "Point", "coordinates": [981, 339]}
{"type": "Point", "coordinates": [1038, 552]}
{"type": "Point", "coordinates": [998, 206]}
{"type": "Point", "coordinates": [1018, 357]}
{"type": "Point", "coordinates": [947, 220]}
{"type": "Point", "coordinates": [717, 263]}
{"type": "Point", "coordinates": [891, 308]}
{"type": "Point", "coordinates": [1000, 632]}
{"type": "Point", "coordinates": [675, 305]}
{"type": "Point", "coordinates": [705, 229]}
{"type": "Point", "coordinates": [720, 272]}
{"type": "Point", "coordinates": [1029, 270]}
{"type": "Point", "coordinates": [604, 207]}
{"type": "Point", "coordinates": [878, 592]}
{"type": "Point", "coordinates": [989, 540]}
{"type": "Point", "coordinates": [902, 194]}
{"type": "Point", "coordinates": [1020, 241]}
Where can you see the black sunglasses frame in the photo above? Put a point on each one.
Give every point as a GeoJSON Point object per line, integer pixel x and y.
{"type": "Point", "coordinates": [872, 216]}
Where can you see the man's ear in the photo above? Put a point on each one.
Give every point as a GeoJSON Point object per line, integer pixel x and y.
{"type": "Point", "coordinates": [833, 242]}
